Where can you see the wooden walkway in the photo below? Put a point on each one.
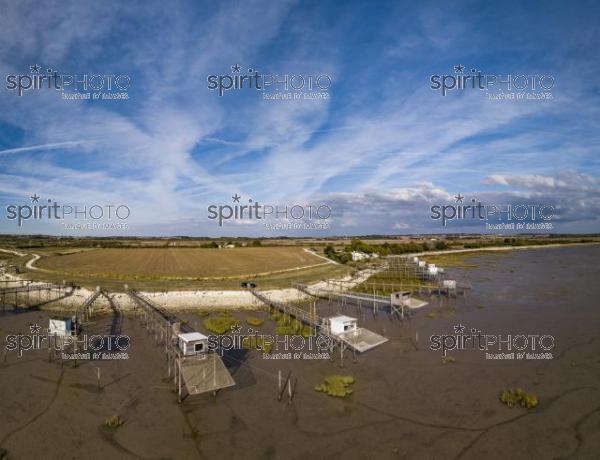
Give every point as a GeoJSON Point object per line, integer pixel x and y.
{"type": "Point", "coordinates": [197, 374]}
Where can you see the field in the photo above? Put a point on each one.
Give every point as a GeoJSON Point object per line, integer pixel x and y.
{"type": "Point", "coordinates": [184, 268]}
{"type": "Point", "coordinates": [180, 263]}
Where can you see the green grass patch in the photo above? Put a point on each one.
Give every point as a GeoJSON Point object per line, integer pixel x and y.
{"type": "Point", "coordinates": [336, 385]}
{"type": "Point", "coordinates": [220, 324]}
{"type": "Point", "coordinates": [518, 397]}
{"type": "Point", "coordinates": [307, 331]}
{"type": "Point", "coordinates": [289, 326]}
{"type": "Point", "coordinates": [203, 313]}
{"type": "Point", "coordinates": [252, 321]}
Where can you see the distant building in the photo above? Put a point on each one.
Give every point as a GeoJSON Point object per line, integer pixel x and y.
{"type": "Point", "coordinates": [356, 256]}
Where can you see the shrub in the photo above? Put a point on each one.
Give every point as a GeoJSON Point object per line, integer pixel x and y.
{"type": "Point", "coordinates": [336, 385]}
{"type": "Point", "coordinates": [439, 245]}
{"type": "Point", "coordinates": [203, 313]}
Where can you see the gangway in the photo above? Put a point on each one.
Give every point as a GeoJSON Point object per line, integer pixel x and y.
{"type": "Point", "coordinates": [358, 340]}
{"type": "Point", "coordinates": [198, 374]}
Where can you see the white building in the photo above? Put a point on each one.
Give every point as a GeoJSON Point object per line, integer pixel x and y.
{"type": "Point", "coordinates": [356, 255]}
{"type": "Point", "coordinates": [60, 327]}
{"type": "Point", "coordinates": [192, 343]}
{"type": "Point", "coordinates": [340, 324]}
{"type": "Point", "coordinates": [432, 270]}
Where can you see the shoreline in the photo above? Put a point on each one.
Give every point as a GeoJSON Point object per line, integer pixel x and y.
{"type": "Point", "coordinates": [496, 248]}
{"type": "Point", "coordinates": [244, 300]}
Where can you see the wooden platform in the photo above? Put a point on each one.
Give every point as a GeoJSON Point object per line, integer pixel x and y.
{"type": "Point", "coordinates": [204, 374]}
{"type": "Point", "coordinates": [362, 339]}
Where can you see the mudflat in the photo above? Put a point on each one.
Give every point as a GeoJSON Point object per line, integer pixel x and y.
{"type": "Point", "coordinates": [406, 401]}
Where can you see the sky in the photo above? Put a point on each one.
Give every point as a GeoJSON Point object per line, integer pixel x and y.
{"type": "Point", "coordinates": [378, 147]}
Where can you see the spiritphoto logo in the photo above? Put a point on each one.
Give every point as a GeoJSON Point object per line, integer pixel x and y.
{"type": "Point", "coordinates": [288, 346]}
{"type": "Point", "coordinates": [495, 346]}
{"type": "Point", "coordinates": [294, 216]}
{"type": "Point", "coordinates": [72, 86]}
{"type": "Point", "coordinates": [272, 86]}
{"type": "Point", "coordinates": [95, 216]}
{"type": "Point", "coordinates": [497, 86]}
{"type": "Point", "coordinates": [521, 216]}
{"type": "Point", "coordinates": [105, 346]}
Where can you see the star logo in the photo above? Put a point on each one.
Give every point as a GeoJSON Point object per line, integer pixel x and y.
{"type": "Point", "coordinates": [35, 68]}
{"type": "Point", "coordinates": [34, 198]}
{"type": "Point", "coordinates": [459, 198]}
{"type": "Point", "coordinates": [459, 68]}
{"type": "Point", "coordinates": [35, 328]}
{"type": "Point", "coordinates": [236, 198]}
{"type": "Point", "coordinates": [235, 68]}
{"type": "Point", "coordinates": [236, 329]}
{"type": "Point", "coordinates": [459, 329]}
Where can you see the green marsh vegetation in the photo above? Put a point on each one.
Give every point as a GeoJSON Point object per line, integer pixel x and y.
{"type": "Point", "coordinates": [220, 324]}
{"type": "Point", "coordinates": [518, 397]}
{"type": "Point", "coordinates": [336, 385]}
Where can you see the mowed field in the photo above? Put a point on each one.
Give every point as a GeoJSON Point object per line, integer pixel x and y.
{"type": "Point", "coordinates": [172, 263]}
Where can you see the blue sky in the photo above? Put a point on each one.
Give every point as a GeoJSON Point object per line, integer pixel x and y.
{"type": "Point", "coordinates": [380, 151]}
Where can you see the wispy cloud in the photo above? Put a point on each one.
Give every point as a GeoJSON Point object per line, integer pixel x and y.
{"type": "Point", "coordinates": [383, 141]}
{"type": "Point", "coordinates": [43, 147]}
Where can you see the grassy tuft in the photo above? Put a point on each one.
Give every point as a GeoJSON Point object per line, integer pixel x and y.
{"type": "Point", "coordinates": [220, 324]}
{"type": "Point", "coordinates": [252, 321]}
{"type": "Point", "coordinates": [114, 421]}
{"type": "Point", "coordinates": [518, 397]}
{"type": "Point", "coordinates": [448, 360]}
{"type": "Point", "coordinates": [336, 385]}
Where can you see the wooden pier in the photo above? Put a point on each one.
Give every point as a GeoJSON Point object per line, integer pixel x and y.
{"type": "Point", "coordinates": [196, 374]}
{"type": "Point", "coordinates": [358, 341]}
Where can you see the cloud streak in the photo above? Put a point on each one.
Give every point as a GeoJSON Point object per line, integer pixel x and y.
{"type": "Point", "coordinates": [383, 142]}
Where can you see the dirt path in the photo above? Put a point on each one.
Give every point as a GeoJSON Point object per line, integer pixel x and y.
{"type": "Point", "coordinates": [16, 253]}
{"type": "Point", "coordinates": [321, 257]}
{"type": "Point", "coordinates": [31, 261]}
